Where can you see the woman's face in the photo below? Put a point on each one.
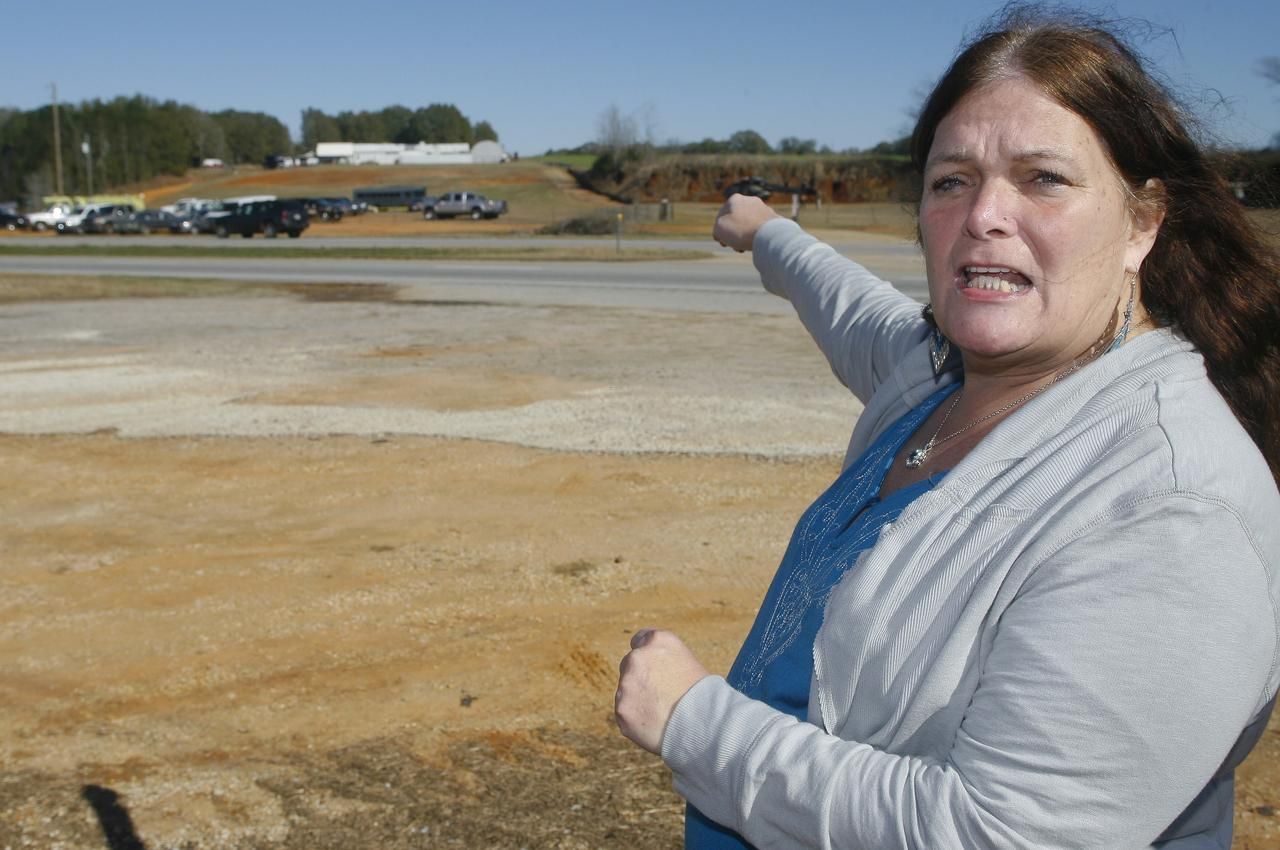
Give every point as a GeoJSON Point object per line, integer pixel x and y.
{"type": "Point", "coordinates": [1027, 235]}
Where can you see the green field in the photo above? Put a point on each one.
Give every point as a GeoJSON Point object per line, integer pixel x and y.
{"type": "Point", "coordinates": [577, 161]}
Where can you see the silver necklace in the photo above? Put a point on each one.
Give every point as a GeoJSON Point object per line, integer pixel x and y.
{"type": "Point", "coordinates": [919, 455]}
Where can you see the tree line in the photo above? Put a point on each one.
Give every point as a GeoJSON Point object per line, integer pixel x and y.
{"type": "Point", "coordinates": [133, 139]}
{"type": "Point", "coordinates": [434, 124]}
{"type": "Point", "coordinates": [129, 139]}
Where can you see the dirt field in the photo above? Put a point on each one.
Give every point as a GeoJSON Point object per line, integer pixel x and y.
{"type": "Point", "coordinates": [346, 643]}
{"type": "Point", "coordinates": [365, 640]}
{"type": "Point", "coordinates": [370, 640]}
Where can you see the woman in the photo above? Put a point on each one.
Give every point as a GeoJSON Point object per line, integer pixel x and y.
{"type": "Point", "coordinates": [1039, 606]}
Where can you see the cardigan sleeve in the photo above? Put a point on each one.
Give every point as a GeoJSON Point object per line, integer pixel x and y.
{"type": "Point", "coordinates": [1115, 684]}
{"type": "Point", "coordinates": [861, 323]}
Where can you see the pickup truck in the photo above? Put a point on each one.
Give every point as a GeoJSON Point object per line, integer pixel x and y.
{"type": "Point", "coordinates": [462, 203]}
{"type": "Point", "coordinates": [49, 217]}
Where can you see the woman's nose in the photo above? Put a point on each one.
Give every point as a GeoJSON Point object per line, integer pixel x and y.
{"type": "Point", "coordinates": [992, 212]}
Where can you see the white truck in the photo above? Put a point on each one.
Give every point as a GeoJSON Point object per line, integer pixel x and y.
{"type": "Point", "coordinates": [49, 217]}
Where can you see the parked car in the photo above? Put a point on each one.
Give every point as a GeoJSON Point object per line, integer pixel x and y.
{"type": "Point", "coordinates": [347, 206]}
{"type": "Point", "coordinates": [462, 203]}
{"type": "Point", "coordinates": [322, 208]}
{"type": "Point", "coordinates": [94, 218]}
{"type": "Point", "coordinates": [12, 221]}
{"type": "Point", "coordinates": [270, 218]}
{"type": "Point", "coordinates": [106, 218]}
{"type": "Point", "coordinates": [49, 217]}
{"type": "Point", "coordinates": [206, 221]}
{"type": "Point", "coordinates": [148, 221]}
{"type": "Point", "coordinates": [189, 208]}
{"type": "Point", "coordinates": [275, 160]}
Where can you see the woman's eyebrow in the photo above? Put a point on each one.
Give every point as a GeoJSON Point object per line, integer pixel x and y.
{"type": "Point", "coordinates": [961, 155]}
{"type": "Point", "coordinates": [1052, 154]}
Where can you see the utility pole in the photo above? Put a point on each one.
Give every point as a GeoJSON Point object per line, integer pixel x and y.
{"type": "Point", "coordinates": [88, 160]}
{"type": "Point", "coordinates": [57, 142]}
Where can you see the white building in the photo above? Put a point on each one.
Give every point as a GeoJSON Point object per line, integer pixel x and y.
{"type": "Point", "coordinates": [488, 152]}
{"type": "Point", "coordinates": [388, 153]}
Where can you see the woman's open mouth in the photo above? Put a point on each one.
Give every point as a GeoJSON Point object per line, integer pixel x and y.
{"type": "Point", "coordinates": [994, 279]}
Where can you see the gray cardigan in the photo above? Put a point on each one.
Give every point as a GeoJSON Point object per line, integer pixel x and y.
{"type": "Point", "coordinates": [1058, 646]}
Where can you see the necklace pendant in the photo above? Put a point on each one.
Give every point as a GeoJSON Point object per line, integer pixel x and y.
{"type": "Point", "coordinates": [917, 457]}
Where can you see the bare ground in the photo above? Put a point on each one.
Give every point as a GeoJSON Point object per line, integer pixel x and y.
{"type": "Point", "coordinates": [367, 640]}
{"type": "Point", "coordinates": [294, 643]}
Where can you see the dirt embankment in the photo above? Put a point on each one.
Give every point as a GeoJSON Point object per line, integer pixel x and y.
{"type": "Point", "coordinates": [841, 180]}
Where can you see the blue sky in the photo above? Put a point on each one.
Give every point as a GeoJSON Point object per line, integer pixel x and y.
{"type": "Point", "coordinates": [843, 73]}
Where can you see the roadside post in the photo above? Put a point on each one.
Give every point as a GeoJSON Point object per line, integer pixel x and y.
{"type": "Point", "coordinates": [617, 234]}
{"type": "Point", "coordinates": [87, 150]}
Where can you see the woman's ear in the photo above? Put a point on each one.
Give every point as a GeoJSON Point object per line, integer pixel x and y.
{"type": "Point", "coordinates": [1146, 213]}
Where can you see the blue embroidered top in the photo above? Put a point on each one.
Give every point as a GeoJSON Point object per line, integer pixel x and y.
{"type": "Point", "coordinates": [775, 663]}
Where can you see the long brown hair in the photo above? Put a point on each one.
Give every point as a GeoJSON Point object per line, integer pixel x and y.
{"type": "Point", "coordinates": [1210, 275]}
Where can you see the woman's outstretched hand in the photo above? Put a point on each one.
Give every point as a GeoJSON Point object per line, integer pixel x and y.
{"type": "Point", "coordinates": [652, 678]}
{"type": "Point", "coordinates": [738, 221]}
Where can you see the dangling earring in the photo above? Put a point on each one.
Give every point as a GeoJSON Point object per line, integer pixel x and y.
{"type": "Point", "coordinates": [939, 345]}
{"type": "Point", "coordinates": [1123, 333]}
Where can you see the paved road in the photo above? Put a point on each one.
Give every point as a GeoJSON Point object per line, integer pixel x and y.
{"type": "Point", "coordinates": [727, 283]}
{"type": "Point", "coordinates": [846, 242]}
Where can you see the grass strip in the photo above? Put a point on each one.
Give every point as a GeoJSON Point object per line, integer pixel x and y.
{"type": "Point", "coordinates": [602, 254]}
{"type": "Point", "coordinates": [16, 288]}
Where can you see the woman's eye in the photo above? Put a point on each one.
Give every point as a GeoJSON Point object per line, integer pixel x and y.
{"type": "Point", "coordinates": [1051, 178]}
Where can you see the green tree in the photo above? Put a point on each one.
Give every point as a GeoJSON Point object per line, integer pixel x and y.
{"type": "Point", "coordinates": [439, 122]}
{"type": "Point", "coordinates": [749, 142]}
{"type": "Point", "coordinates": [318, 127]}
{"type": "Point", "coordinates": [484, 132]}
{"type": "Point", "coordinates": [360, 127]}
{"type": "Point", "coordinates": [897, 147]}
{"type": "Point", "coordinates": [395, 121]}
{"type": "Point", "coordinates": [251, 136]}
{"type": "Point", "coordinates": [443, 122]}
{"type": "Point", "coordinates": [793, 145]}
{"type": "Point", "coordinates": [707, 145]}
{"type": "Point", "coordinates": [205, 137]}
